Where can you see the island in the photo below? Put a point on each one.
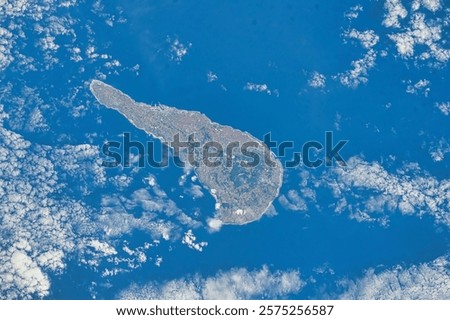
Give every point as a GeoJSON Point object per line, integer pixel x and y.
{"type": "Point", "coordinates": [244, 179]}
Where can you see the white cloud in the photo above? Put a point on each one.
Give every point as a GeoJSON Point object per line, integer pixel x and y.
{"type": "Point", "coordinates": [177, 49]}
{"type": "Point", "coordinates": [158, 261]}
{"type": "Point", "coordinates": [195, 191]}
{"type": "Point", "coordinates": [405, 44]}
{"type": "Point", "coordinates": [147, 209]}
{"type": "Point", "coordinates": [292, 201]}
{"type": "Point", "coordinates": [26, 112]}
{"type": "Point", "coordinates": [444, 107]}
{"type": "Point", "coordinates": [44, 224]}
{"type": "Point", "coordinates": [214, 225]}
{"type": "Point", "coordinates": [6, 45]}
{"type": "Point", "coordinates": [430, 281]}
{"type": "Point", "coordinates": [409, 190]}
{"type": "Point", "coordinates": [121, 181]}
{"type": "Point", "coordinates": [113, 64]}
{"type": "Point", "coordinates": [90, 52]}
{"type": "Point", "coordinates": [421, 86]}
{"type": "Point", "coordinates": [271, 211]}
{"type": "Point", "coordinates": [317, 80]}
{"type": "Point", "coordinates": [81, 162]}
{"type": "Point", "coordinates": [235, 284]}
{"type": "Point", "coordinates": [211, 76]}
{"type": "Point", "coordinates": [116, 221]}
{"type": "Point", "coordinates": [439, 149]}
{"type": "Point", "coordinates": [367, 38]}
{"type": "Point", "coordinates": [110, 258]}
{"type": "Point", "coordinates": [189, 239]}
{"type": "Point", "coordinates": [258, 87]}
{"type": "Point", "coordinates": [53, 30]}
{"type": "Point", "coordinates": [417, 36]}
{"type": "Point", "coordinates": [39, 227]}
{"type": "Point", "coordinates": [36, 121]}
{"type": "Point", "coordinates": [44, 215]}
{"type": "Point", "coordinates": [431, 5]}
{"type": "Point", "coordinates": [394, 12]}
{"type": "Point", "coordinates": [14, 8]}
{"type": "Point", "coordinates": [109, 18]}
{"type": "Point", "coordinates": [48, 43]}
{"type": "Point", "coordinates": [353, 78]}
{"type": "Point", "coordinates": [324, 269]}
{"type": "Point", "coordinates": [354, 11]}
{"type": "Point", "coordinates": [22, 277]}
{"type": "Point", "coordinates": [102, 247]}
{"type": "Point", "coordinates": [421, 32]}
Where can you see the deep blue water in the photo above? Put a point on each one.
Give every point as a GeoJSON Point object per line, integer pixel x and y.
{"type": "Point", "coordinates": [278, 43]}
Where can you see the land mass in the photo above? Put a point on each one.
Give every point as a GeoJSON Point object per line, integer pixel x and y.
{"type": "Point", "coordinates": [242, 192]}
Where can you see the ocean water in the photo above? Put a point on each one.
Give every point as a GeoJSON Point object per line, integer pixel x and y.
{"type": "Point", "coordinates": [279, 44]}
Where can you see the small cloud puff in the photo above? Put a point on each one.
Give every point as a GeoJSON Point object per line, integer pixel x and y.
{"type": "Point", "coordinates": [444, 107]}
{"type": "Point", "coordinates": [177, 49]}
{"type": "Point", "coordinates": [292, 201]}
{"type": "Point", "coordinates": [367, 38]}
{"type": "Point", "coordinates": [354, 11]}
{"type": "Point", "coordinates": [317, 80]}
{"type": "Point", "coordinates": [189, 239]}
{"type": "Point", "coordinates": [258, 88]}
{"type": "Point", "coordinates": [421, 86]}
{"type": "Point", "coordinates": [214, 225]}
{"type": "Point", "coordinates": [211, 76]}
{"type": "Point", "coordinates": [354, 77]}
